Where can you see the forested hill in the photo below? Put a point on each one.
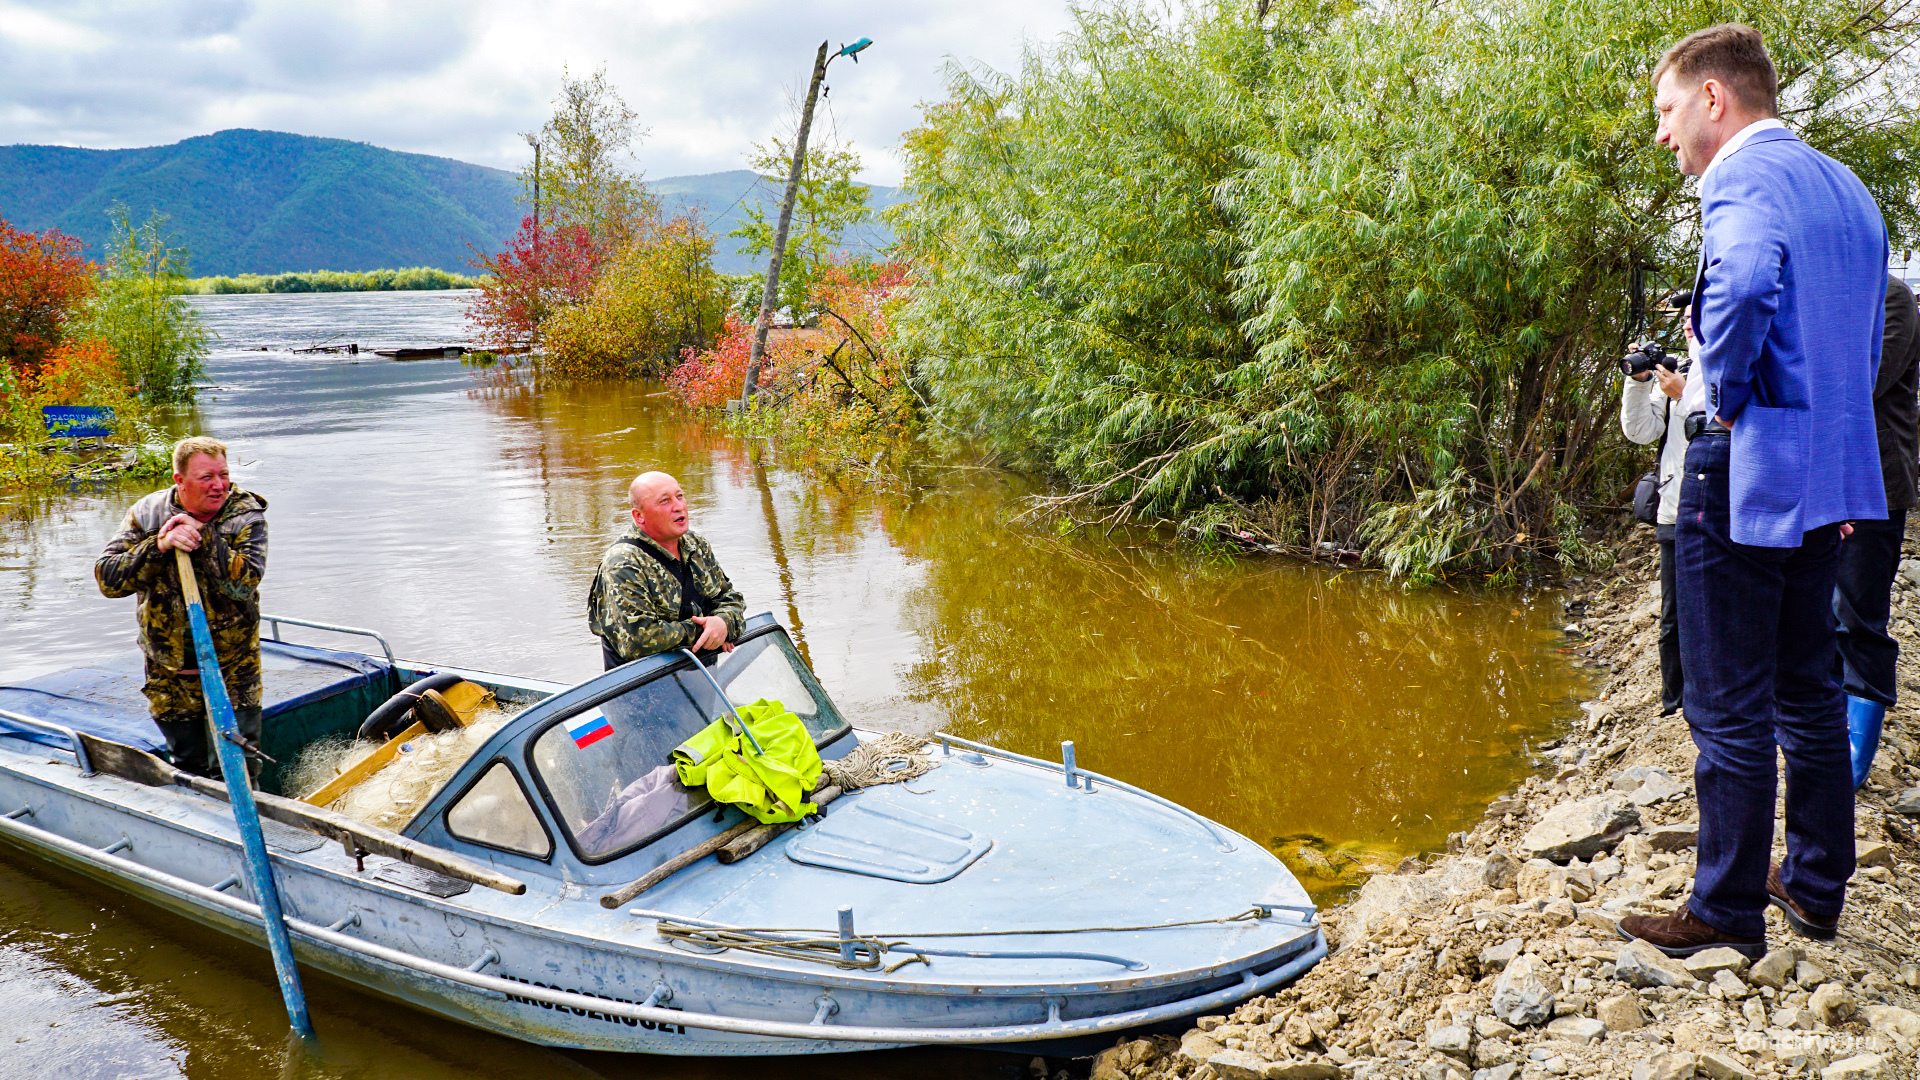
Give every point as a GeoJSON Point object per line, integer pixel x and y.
{"type": "Point", "coordinates": [246, 201]}
{"type": "Point", "coordinates": [265, 201]}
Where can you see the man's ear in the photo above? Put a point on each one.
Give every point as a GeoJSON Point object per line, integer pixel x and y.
{"type": "Point", "coordinates": [1717, 99]}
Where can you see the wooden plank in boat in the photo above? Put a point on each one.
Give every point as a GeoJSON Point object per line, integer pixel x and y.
{"type": "Point", "coordinates": [420, 879]}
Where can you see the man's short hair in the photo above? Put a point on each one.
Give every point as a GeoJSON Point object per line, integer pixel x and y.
{"type": "Point", "coordinates": [184, 450]}
{"type": "Point", "coordinates": [1733, 53]}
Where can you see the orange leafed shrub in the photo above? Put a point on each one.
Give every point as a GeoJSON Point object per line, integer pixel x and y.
{"type": "Point", "coordinates": [43, 283]}
{"type": "Point", "coordinates": [709, 378]}
{"type": "Point", "coordinates": [80, 372]}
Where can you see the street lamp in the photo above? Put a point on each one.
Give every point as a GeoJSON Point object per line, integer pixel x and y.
{"type": "Point", "coordinates": [535, 143]}
{"type": "Point", "coordinates": [757, 352]}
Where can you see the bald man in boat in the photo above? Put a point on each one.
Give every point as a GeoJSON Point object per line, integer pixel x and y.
{"type": "Point", "coordinates": [659, 588]}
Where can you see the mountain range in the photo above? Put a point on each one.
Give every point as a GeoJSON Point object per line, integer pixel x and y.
{"type": "Point", "coordinates": [244, 201]}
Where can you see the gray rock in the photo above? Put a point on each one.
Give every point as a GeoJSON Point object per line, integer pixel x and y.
{"type": "Point", "coordinates": [1676, 837]}
{"type": "Point", "coordinates": [1520, 995]}
{"type": "Point", "coordinates": [1774, 969]}
{"type": "Point", "coordinates": [1579, 1029]}
{"type": "Point", "coordinates": [1581, 829]}
{"type": "Point", "coordinates": [1239, 1065]}
{"type": "Point", "coordinates": [1720, 1066]}
{"type": "Point", "coordinates": [1504, 1071]}
{"type": "Point", "coordinates": [1908, 803]}
{"type": "Point", "coordinates": [1631, 778]}
{"type": "Point", "coordinates": [1492, 1027]}
{"type": "Point", "coordinates": [1831, 1003]}
{"type": "Point", "coordinates": [1857, 1067]}
{"type": "Point", "coordinates": [1703, 965]}
{"type": "Point", "coordinates": [1304, 1070]}
{"type": "Point", "coordinates": [1730, 985]}
{"type": "Point", "coordinates": [1500, 871]}
{"type": "Point", "coordinates": [1198, 1046]}
{"type": "Point", "coordinates": [1454, 1040]}
{"type": "Point", "coordinates": [1640, 964]}
{"type": "Point", "coordinates": [1621, 1013]}
{"type": "Point", "coordinates": [1807, 973]}
{"type": "Point", "coordinates": [1792, 1018]}
{"type": "Point", "coordinates": [1891, 1018]}
{"type": "Point", "coordinates": [1657, 789]}
{"type": "Point", "coordinates": [1496, 957]}
{"type": "Point", "coordinates": [1673, 1065]}
{"type": "Point", "coordinates": [1488, 1053]}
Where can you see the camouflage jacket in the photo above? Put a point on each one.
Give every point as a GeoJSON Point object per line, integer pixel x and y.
{"type": "Point", "coordinates": [634, 604]}
{"type": "Point", "coordinates": [228, 564]}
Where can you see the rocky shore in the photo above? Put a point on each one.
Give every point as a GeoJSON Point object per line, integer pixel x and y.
{"type": "Point", "coordinates": [1501, 960]}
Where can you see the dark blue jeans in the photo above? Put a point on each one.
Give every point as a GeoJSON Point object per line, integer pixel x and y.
{"type": "Point", "coordinates": [1757, 643]}
{"type": "Point", "coordinates": [1868, 560]}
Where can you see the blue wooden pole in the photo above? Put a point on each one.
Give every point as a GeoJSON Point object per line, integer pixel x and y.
{"type": "Point", "coordinates": [233, 767]}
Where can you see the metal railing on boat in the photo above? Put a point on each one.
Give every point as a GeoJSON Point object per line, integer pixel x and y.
{"type": "Point", "coordinates": [1072, 771]}
{"type": "Point", "coordinates": [817, 1029]}
{"type": "Point", "coordinates": [276, 620]}
{"type": "Point", "coordinates": [65, 732]}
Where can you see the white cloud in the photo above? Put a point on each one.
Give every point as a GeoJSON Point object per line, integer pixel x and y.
{"type": "Point", "coordinates": [462, 79]}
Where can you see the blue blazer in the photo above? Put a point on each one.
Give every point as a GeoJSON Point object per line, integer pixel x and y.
{"type": "Point", "coordinates": [1788, 308]}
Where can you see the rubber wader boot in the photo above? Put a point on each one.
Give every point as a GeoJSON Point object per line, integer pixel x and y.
{"type": "Point", "coordinates": [1863, 735]}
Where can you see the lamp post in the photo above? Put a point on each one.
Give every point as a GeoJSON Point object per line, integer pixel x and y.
{"type": "Point", "coordinates": [538, 269]}
{"type": "Point", "coordinates": [751, 384]}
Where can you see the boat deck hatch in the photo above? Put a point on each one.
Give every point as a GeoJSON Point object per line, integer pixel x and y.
{"type": "Point", "coordinates": [888, 842]}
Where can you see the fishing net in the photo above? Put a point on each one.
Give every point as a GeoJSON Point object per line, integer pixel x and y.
{"type": "Point", "coordinates": [389, 798]}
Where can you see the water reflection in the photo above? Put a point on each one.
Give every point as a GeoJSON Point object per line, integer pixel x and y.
{"type": "Point", "coordinates": [1342, 719]}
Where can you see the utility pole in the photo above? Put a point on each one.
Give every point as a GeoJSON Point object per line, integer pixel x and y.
{"type": "Point", "coordinates": [538, 267]}
{"type": "Point", "coordinates": [751, 384]}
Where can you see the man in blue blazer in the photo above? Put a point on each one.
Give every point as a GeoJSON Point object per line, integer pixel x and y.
{"type": "Point", "coordinates": [1788, 305]}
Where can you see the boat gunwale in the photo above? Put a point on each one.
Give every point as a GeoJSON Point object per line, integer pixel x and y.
{"type": "Point", "coordinates": [651, 950]}
{"type": "Point", "coordinates": [1295, 963]}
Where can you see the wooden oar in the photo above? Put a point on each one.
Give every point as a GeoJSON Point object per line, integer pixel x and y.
{"type": "Point", "coordinates": [738, 838]}
{"type": "Point", "coordinates": [233, 765]}
{"type": "Point", "coordinates": [141, 767]}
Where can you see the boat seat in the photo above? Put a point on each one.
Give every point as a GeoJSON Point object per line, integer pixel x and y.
{"type": "Point", "coordinates": [310, 691]}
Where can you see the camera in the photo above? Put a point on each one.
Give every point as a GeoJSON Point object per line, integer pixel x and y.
{"type": "Point", "coordinates": [1644, 357]}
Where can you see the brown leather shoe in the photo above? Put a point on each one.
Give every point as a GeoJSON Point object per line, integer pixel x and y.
{"type": "Point", "coordinates": [1683, 934]}
{"type": "Point", "coordinates": [1803, 924]}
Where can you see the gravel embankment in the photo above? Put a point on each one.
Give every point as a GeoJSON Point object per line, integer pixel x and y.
{"type": "Point", "coordinates": [1501, 960]}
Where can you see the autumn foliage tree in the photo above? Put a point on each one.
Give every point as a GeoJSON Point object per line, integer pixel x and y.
{"type": "Point", "coordinates": [538, 273]}
{"type": "Point", "coordinates": [44, 283]}
{"type": "Point", "coordinates": [655, 297]}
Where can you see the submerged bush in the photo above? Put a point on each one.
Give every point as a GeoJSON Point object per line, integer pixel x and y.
{"type": "Point", "coordinates": [1358, 272]}
{"type": "Point", "coordinates": [654, 298]}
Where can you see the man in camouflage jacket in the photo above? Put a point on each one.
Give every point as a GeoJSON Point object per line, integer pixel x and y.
{"type": "Point", "coordinates": [225, 530]}
{"type": "Point", "coordinates": [659, 587]}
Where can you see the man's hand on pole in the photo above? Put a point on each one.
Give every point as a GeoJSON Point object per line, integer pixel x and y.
{"type": "Point", "coordinates": [180, 532]}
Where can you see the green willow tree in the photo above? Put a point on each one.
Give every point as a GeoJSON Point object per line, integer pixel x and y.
{"type": "Point", "coordinates": [586, 178]}
{"type": "Point", "coordinates": [828, 203]}
{"type": "Point", "coordinates": [158, 337]}
{"type": "Point", "coordinates": [1356, 275]}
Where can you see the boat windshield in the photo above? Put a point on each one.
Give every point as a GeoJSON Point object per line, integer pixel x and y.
{"type": "Point", "coordinates": [609, 772]}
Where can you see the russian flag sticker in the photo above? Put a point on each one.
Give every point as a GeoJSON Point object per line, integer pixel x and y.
{"type": "Point", "coordinates": [587, 730]}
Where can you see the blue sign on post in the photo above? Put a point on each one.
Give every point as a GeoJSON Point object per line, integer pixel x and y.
{"type": "Point", "coordinates": [77, 421]}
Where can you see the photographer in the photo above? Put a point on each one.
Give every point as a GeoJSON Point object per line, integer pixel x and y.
{"type": "Point", "coordinates": [1652, 408]}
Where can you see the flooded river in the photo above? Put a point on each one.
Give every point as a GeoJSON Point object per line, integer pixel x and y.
{"type": "Point", "coordinates": [1341, 720]}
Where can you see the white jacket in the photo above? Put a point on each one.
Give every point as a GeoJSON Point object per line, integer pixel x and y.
{"type": "Point", "coordinates": [1644, 413]}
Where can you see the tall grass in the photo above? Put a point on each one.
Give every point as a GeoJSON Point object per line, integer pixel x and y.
{"type": "Point", "coordinates": [312, 281]}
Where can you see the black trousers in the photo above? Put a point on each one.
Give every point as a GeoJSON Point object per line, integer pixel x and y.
{"type": "Point", "coordinates": [1672, 683]}
{"type": "Point", "coordinates": [1861, 593]}
{"type": "Point", "coordinates": [1756, 624]}
{"type": "Point", "coordinates": [189, 741]}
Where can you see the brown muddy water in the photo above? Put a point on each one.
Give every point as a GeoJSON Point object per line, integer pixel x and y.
{"type": "Point", "coordinates": [1335, 717]}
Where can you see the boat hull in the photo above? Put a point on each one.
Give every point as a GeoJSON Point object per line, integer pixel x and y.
{"type": "Point", "coordinates": [598, 990]}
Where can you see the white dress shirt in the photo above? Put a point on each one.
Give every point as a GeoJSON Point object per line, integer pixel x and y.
{"type": "Point", "coordinates": [1739, 140]}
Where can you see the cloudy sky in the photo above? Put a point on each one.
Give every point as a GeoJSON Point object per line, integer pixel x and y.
{"type": "Point", "coordinates": [461, 78]}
